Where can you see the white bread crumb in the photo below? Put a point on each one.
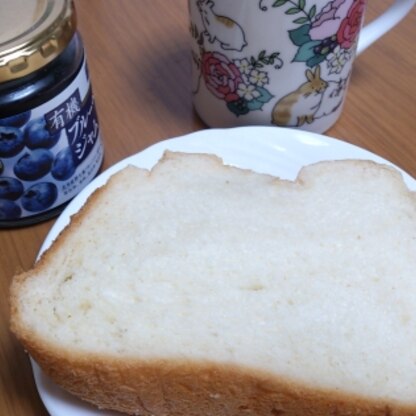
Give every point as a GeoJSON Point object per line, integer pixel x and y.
{"type": "Point", "coordinates": [312, 281]}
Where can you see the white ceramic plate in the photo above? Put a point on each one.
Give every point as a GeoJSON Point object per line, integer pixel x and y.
{"type": "Point", "coordinates": [272, 150]}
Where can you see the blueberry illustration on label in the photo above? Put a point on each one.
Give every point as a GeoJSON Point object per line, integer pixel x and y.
{"type": "Point", "coordinates": [39, 197]}
{"type": "Point", "coordinates": [17, 120]}
{"type": "Point", "coordinates": [63, 166]}
{"type": "Point", "coordinates": [32, 166]}
{"type": "Point", "coordinates": [10, 188]}
{"type": "Point", "coordinates": [11, 141]}
{"type": "Point", "coordinates": [38, 136]}
{"type": "Point", "coordinates": [9, 210]}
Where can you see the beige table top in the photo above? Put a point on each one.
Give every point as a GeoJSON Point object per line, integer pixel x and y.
{"type": "Point", "coordinates": [138, 53]}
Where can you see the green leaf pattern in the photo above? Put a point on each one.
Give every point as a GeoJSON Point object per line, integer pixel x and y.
{"type": "Point", "coordinates": [250, 93]}
{"type": "Point", "coordinates": [253, 93]}
{"type": "Point", "coordinates": [312, 52]}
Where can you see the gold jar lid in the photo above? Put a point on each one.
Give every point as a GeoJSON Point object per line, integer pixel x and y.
{"type": "Point", "coordinates": [33, 33]}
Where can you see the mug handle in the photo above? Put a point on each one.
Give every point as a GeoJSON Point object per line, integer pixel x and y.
{"type": "Point", "coordinates": [383, 23]}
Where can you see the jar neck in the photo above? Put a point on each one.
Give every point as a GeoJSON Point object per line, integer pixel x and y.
{"type": "Point", "coordinates": [28, 92]}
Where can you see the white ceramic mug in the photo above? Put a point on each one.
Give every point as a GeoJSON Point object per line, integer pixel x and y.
{"type": "Point", "coordinates": [278, 62]}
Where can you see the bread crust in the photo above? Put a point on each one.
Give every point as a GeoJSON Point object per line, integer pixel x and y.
{"type": "Point", "coordinates": [160, 387]}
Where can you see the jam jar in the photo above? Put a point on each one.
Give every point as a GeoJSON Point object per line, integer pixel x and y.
{"type": "Point", "coordinates": [50, 143]}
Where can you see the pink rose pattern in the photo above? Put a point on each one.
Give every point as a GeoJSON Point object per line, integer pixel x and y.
{"type": "Point", "coordinates": [322, 35]}
{"type": "Point", "coordinates": [242, 84]}
{"type": "Point", "coordinates": [348, 31]}
{"type": "Point", "coordinates": [221, 76]}
{"type": "Point", "coordinates": [328, 21]}
{"type": "Point", "coordinates": [325, 35]}
{"type": "Point", "coordinates": [340, 17]}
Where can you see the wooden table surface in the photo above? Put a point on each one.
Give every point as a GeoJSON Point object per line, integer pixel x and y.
{"type": "Point", "coordinates": [138, 53]}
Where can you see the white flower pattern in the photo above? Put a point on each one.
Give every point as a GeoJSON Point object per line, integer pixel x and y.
{"type": "Point", "coordinates": [337, 60]}
{"type": "Point", "coordinates": [248, 92]}
{"type": "Point", "coordinates": [258, 78]}
{"type": "Point", "coordinates": [243, 65]}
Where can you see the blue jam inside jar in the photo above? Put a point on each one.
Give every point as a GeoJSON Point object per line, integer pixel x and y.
{"type": "Point", "coordinates": [50, 144]}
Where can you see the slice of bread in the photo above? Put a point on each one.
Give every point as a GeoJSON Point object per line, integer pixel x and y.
{"type": "Point", "coordinates": [198, 289]}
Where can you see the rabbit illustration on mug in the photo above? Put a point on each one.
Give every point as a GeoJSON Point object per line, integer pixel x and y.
{"type": "Point", "coordinates": [333, 97]}
{"type": "Point", "coordinates": [300, 106]}
{"type": "Point", "coordinates": [223, 29]}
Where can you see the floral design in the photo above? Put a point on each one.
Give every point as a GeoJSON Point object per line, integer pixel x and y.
{"type": "Point", "coordinates": [324, 40]}
{"type": "Point", "coordinates": [243, 65]}
{"type": "Point", "coordinates": [222, 77]}
{"type": "Point", "coordinates": [337, 60]}
{"type": "Point", "coordinates": [258, 78]}
{"type": "Point", "coordinates": [328, 20]}
{"type": "Point", "coordinates": [348, 31]}
{"type": "Point", "coordinates": [327, 35]}
{"type": "Point", "coordinates": [248, 92]}
{"type": "Point", "coordinates": [239, 82]}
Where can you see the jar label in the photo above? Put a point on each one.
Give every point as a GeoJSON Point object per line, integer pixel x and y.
{"type": "Point", "coordinates": [49, 153]}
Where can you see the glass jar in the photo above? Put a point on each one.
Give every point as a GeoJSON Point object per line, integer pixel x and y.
{"type": "Point", "coordinates": [50, 143]}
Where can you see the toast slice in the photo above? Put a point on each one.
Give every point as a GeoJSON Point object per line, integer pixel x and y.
{"type": "Point", "coordinates": [204, 289]}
